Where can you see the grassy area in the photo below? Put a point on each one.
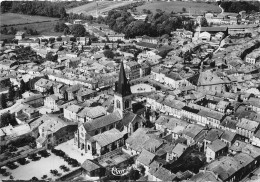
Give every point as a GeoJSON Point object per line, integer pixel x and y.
{"type": "Point", "coordinates": [103, 6]}
{"type": "Point", "coordinates": [44, 28]}
{"type": "Point", "coordinates": [15, 18]}
{"type": "Point", "coordinates": [43, 25]}
{"type": "Point", "coordinates": [178, 6]}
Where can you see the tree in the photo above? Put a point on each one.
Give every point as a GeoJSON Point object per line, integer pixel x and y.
{"type": "Point", "coordinates": [109, 54]}
{"type": "Point", "coordinates": [204, 22]}
{"type": "Point", "coordinates": [23, 86]}
{"type": "Point", "coordinates": [59, 39]}
{"type": "Point", "coordinates": [133, 174]}
{"type": "Point", "coordinates": [51, 91]}
{"type": "Point", "coordinates": [66, 31]}
{"type": "Point", "coordinates": [141, 168]}
{"type": "Point", "coordinates": [11, 93]}
{"type": "Point", "coordinates": [6, 119]}
{"type": "Point", "coordinates": [60, 27]}
{"type": "Point", "coordinates": [78, 30]}
{"type": "Point", "coordinates": [89, 41]}
{"type": "Point", "coordinates": [18, 93]}
{"type": "Point", "coordinates": [51, 57]}
{"type": "Point", "coordinates": [187, 56]}
{"type": "Point", "coordinates": [4, 30]}
{"type": "Point", "coordinates": [164, 53]}
{"type": "Point", "coordinates": [100, 19]}
{"type": "Point", "coordinates": [3, 101]}
{"type": "Point", "coordinates": [63, 13]}
{"type": "Point", "coordinates": [34, 179]}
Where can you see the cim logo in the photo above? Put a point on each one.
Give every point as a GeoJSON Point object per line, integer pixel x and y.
{"type": "Point", "coordinates": [119, 172]}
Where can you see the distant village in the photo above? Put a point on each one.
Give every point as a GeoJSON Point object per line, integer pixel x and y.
{"type": "Point", "coordinates": [184, 107]}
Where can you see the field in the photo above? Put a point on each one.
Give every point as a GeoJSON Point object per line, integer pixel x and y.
{"type": "Point", "coordinates": [103, 6]}
{"type": "Point", "coordinates": [44, 25]}
{"type": "Point", "coordinates": [44, 28]}
{"type": "Point", "coordinates": [177, 7]}
{"type": "Point", "coordinates": [14, 19]}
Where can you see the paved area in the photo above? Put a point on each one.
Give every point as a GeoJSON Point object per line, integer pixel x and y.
{"type": "Point", "coordinates": [141, 88]}
{"type": "Point", "coordinates": [38, 168]}
{"type": "Point", "coordinates": [71, 150]}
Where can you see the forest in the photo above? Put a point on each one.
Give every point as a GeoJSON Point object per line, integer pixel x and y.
{"type": "Point", "coordinates": [237, 6]}
{"type": "Point", "coordinates": [41, 8]}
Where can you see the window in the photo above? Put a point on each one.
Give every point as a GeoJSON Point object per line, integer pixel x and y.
{"type": "Point", "coordinates": [118, 104]}
{"type": "Point", "coordinates": [127, 104]}
{"type": "Point", "coordinates": [88, 147]}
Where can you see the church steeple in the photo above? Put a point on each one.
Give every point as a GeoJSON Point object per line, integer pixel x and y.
{"type": "Point", "coordinates": [122, 86]}
{"type": "Point", "coordinates": [123, 94]}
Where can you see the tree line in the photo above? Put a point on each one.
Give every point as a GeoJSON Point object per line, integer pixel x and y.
{"type": "Point", "coordinates": [156, 24]}
{"type": "Point", "coordinates": [13, 31]}
{"type": "Point", "coordinates": [41, 8]}
{"type": "Point", "coordinates": [237, 6]}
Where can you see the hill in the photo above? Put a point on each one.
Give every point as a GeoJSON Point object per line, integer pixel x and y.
{"type": "Point", "coordinates": [103, 7]}
{"type": "Point", "coordinates": [177, 6]}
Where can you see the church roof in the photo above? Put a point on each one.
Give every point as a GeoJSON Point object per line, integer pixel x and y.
{"type": "Point", "coordinates": [122, 86]}
{"type": "Point", "coordinates": [102, 121]}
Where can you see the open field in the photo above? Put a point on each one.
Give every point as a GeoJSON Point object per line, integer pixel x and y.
{"type": "Point", "coordinates": [177, 6]}
{"type": "Point", "coordinates": [15, 18]}
{"type": "Point", "coordinates": [43, 25]}
{"type": "Point", "coordinates": [103, 6]}
{"type": "Point", "coordinates": [44, 28]}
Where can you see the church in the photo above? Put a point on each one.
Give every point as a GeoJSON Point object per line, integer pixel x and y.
{"type": "Point", "coordinates": [104, 134]}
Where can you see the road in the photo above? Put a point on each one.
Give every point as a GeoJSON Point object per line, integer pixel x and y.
{"type": "Point", "coordinates": [12, 108]}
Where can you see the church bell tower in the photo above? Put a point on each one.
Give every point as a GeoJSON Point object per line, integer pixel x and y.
{"type": "Point", "coordinates": [122, 96]}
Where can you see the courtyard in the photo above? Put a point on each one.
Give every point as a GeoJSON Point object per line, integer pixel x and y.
{"type": "Point", "coordinates": [142, 88]}
{"type": "Point", "coordinates": [38, 168]}
{"type": "Point", "coordinates": [72, 151]}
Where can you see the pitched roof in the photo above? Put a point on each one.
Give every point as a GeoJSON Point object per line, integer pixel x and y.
{"type": "Point", "coordinates": [74, 108]}
{"type": "Point", "coordinates": [192, 130]}
{"type": "Point", "coordinates": [213, 29]}
{"type": "Point", "coordinates": [238, 146]}
{"type": "Point", "coordinates": [152, 144]}
{"type": "Point", "coordinates": [90, 165]}
{"type": "Point", "coordinates": [179, 149]}
{"type": "Point", "coordinates": [228, 136]}
{"type": "Point", "coordinates": [164, 174]}
{"type": "Point", "coordinates": [217, 145]}
{"type": "Point", "coordinates": [108, 137]}
{"type": "Point", "coordinates": [248, 124]}
{"type": "Point", "coordinates": [205, 78]}
{"type": "Point", "coordinates": [92, 112]}
{"type": "Point", "coordinates": [214, 134]}
{"type": "Point", "coordinates": [102, 121]}
{"type": "Point", "coordinates": [138, 138]}
{"type": "Point", "coordinates": [204, 176]}
{"type": "Point", "coordinates": [225, 167]}
{"type": "Point", "coordinates": [146, 157]}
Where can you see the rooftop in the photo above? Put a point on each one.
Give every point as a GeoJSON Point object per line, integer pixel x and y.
{"type": "Point", "coordinates": [217, 145]}
{"type": "Point", "coordinates": [108, 137]}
